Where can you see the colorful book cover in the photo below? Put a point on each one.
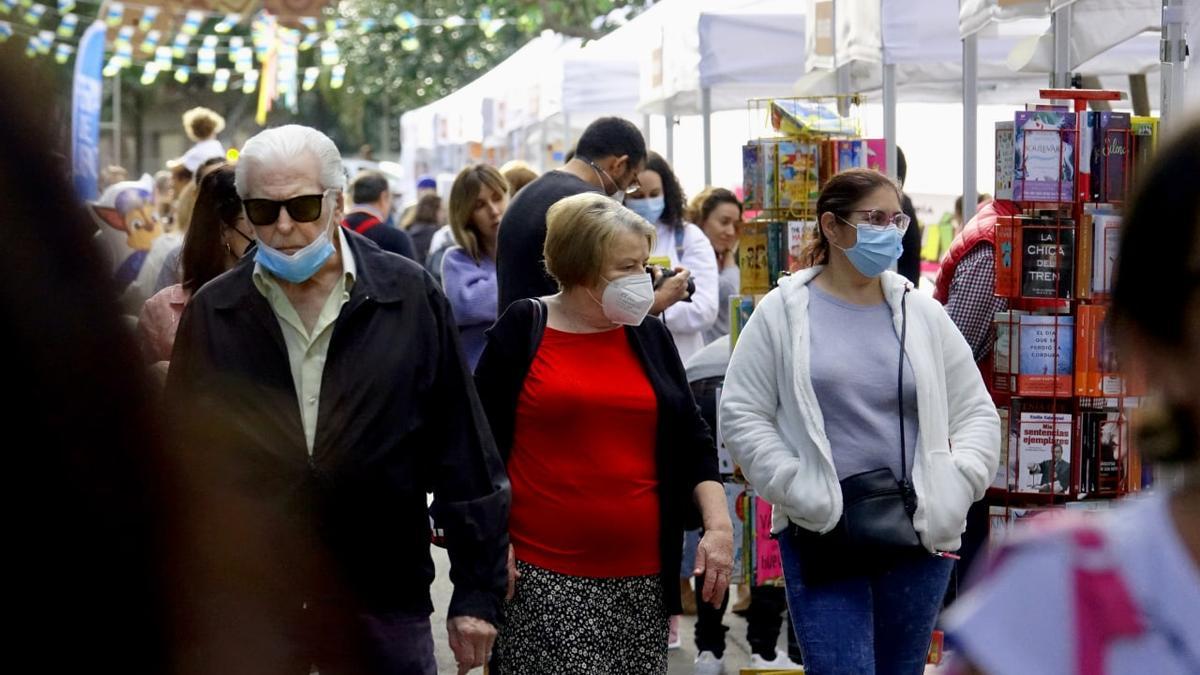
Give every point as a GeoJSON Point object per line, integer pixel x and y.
{"type": "Point", "coordinates": [777, 255]}
{"type": "Point", "coordinates": [798, 233]}
{"type": "Point", "coordinates": [740, 309]}
{"type": "Point", "coordinates": [752, 176]}
{"type": "Point", "coordinates": [1006, 352]}
{"type": "Point", "coordinates": [799, 176]}
{"type": "Point", "coordinates": [769, 160]}
{"type": "Point", "coordinates": [734, 492]}
{"type": "Point", "coordinates": [1005, 155]}
{"type": "Point", "coordinates": [851, 155]}
{"type": "Point", "coordinates": [1047, 355]}
{"type": "Point", "coordinates": [1044, 156]}
{"type": "Point", "coordinates": [1103, 442]}
{"type": "Point", "coordinates": [1106, 238]}
{"type": "Point", "coordinates": [1145, 140]}
{"type": "Point", "coordinates": [1097, 371]}
{"type": "Point", "coordinates": [752, 258]}
{"type": "Point", "coordinates": [768, 566]}
{"type": "Point", "coordinates": [1004, 475]}
{"type": "Point", "coordinates": [1008, 257]}
{"type": "Point", "coordinates": [876, 151]}
{"type": "Point", "coordinates": [1110, 155]}
{"type": "Point", "coordinates": [1044, 453]}
{"type": "Point", "coordinates": [1083, 258]}
{"type": "Point", "coordinates": [1048, 260]}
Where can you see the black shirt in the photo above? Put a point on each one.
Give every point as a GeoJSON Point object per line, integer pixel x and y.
{"type": "Point", "coordinates": [520, 267]}
{"type": "Point", "coordinates": [909, 265]}
{"type": "Point", "coordinates": [385, 236]}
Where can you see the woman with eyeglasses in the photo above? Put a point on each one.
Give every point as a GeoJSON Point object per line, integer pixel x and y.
{"type": "Point", "coordinates": [217, 238]}
{"type": "Point", "coordinates": [854, 406]}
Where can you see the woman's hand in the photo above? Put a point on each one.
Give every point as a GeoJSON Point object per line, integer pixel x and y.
{"type": "Point", "coordinates": [513, 574]}
{"type": "Point", "coordinates": [714, 559]}
{"type": "Point", "coordinates": [673, 290]}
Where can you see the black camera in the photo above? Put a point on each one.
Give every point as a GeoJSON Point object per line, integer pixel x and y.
{"type": "Point", "coordinates": [660, 274]}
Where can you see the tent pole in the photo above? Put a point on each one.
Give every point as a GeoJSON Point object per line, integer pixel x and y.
{"type": "Point", "coordinates": [669, 114]}
{"type": "Point", "coordinates": [1060, 78]}
{"type": "Point", "coordinates": [970, 119]}
{"type": "Point", "coordinates": [646, 127]}
{"type": "Point", "coordinates": [706, 113]}
{"type": "Point", "coordinates": [889, 116]}
{"type": "Point", "coordinates": [1174, 50]}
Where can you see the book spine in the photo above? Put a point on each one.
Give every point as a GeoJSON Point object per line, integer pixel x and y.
{"type": "Point", "coordinates": [1083, 263]}
{"type": "Point", "coordinates": [1007, 258]}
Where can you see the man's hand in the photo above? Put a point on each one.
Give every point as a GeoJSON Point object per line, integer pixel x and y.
{"type": "Point", "coordinates": [471, 640]}
{"type": "Point", "coordinates": [513, 574]}
{"type": "Point", "coordinates": [673, 290]}
{"type": "Point", "coordinates": [714, 559]}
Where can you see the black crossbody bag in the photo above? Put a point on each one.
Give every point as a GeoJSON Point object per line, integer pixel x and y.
{"type": "Point", "coordinates": [877, 510]}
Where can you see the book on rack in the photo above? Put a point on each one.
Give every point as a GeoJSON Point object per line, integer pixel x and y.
{"type": "Point", "coordinates": [1006, 352]}
{"type": "Point", "coordinates": [733, 493]}
{"type": "Point", "coordinates": [777, 251]}
{"type": "Point", "coordinates": [1109, 154]}
{"type": "Point", "coordinates": [1008, 257]}
{"type": "Point", "coordinates": [740, 309]}
{"type": "Point", "coordinates": [1099, 239]}
{"type": "Point", "coordinates": [1097, 371]}
{"type": "Point", "coordinates": [1043, 454]}
{"type": "Point", "coordinates": [1144, 138]}
{"type": "Point", "coordinates": [1005, 478]}
{"type": "Point", "coordinates": [799, 176]}
{"type": "Point", "coordinates": [752, 176]}
{"type": "Point", "coordinates": [1103, 444]}
{"type": "Point", "coordinates": [1047, 356]}
{"type": "Point", "coordinates": [1044, 156]}
{"type": "Point", "coordinates": [799, 232]}
{"type": "Point", "coordinates": [768, 565]}
{"type": "Point", "coordinates": [752, 258]}
{"type": "Point", "coordinates": [1004, 160]}
{"type": "Point", "coordinates": [1047, 258]}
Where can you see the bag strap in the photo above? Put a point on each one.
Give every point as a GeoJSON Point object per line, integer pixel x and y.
{"type": "Point", "coordinates": [537, 327]}
{"type": "Point", "coordinates": [366, 224]}
{"type": "Point", "coordinates": [900, 385]}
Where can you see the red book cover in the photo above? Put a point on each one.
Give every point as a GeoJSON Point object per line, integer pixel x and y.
{"type": "Point", "coordinates": [1008, 257]}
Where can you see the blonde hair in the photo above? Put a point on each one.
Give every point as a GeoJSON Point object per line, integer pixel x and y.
{"type": "Point", "coordinates": [518, 174]}
{"type": "Point", "coordinates": [201, 123]}
{"type": "Point", "coordinates": [580, 230]}
{"type": "Point", "coordinates": [467, 186]}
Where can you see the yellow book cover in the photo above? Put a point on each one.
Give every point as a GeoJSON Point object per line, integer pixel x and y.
{"type": "Point", "coordinates": [752, 259]}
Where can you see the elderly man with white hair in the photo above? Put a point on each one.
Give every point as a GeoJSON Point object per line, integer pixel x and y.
{"type": "Point", "coordinates": [319, 392]}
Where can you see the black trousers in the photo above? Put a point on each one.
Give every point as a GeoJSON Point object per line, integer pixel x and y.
{"type": "Point", "coordinates": [764, 619]}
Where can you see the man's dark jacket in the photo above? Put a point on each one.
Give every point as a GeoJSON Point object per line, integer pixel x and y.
{"type": "Point", "coordinates": [398, 418]}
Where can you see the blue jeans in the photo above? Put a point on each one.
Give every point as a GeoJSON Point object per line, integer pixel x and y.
{"type": "Point", "coordinates": [879, 622]}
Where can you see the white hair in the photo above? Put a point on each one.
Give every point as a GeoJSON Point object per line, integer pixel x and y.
{"type": "Point", "coordinates": [281, 146]}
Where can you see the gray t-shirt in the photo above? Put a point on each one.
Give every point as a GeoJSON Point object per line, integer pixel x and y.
{"type": "Point", "coordinates": [729, 282]}
{"type": "Point", "coordinates": [854, 357]}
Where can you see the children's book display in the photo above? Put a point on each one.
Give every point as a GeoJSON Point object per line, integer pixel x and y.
{"type": "Point", "coordinates": [1064, 403]}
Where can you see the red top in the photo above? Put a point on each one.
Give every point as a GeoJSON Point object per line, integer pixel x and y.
{"type": "Point", "coordinates": [583, 470]}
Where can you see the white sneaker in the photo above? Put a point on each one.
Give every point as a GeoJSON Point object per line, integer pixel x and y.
{"type": "Point", "coordinates": [707, 664]}
{"type": "Point", "coordinates": [780, 662]}
{"type": "Point", "coordinates": [673, 639]}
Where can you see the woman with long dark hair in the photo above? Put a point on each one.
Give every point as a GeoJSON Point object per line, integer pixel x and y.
{"type": "Point", "coordinates": [217, 238]}
{"type": "Point", "coordinates": [718, 213]}
{"type": "Point", "coordinates": [687, 253]}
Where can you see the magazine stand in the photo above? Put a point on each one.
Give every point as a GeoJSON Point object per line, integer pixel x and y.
{"type": "Point", "coordinates": [1063, 402]}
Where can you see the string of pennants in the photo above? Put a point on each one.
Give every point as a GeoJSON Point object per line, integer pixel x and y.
{"type": "Point", "coordinates": [271, 47]}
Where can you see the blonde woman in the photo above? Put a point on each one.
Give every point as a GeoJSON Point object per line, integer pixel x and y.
{"type": "Point", "coordinates": [478, 199]}
{"type": "Point", "coordinates": [607, 454]}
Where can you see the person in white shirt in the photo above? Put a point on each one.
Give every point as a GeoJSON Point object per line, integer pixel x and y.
{"type": "Point", "coordinates": [660, 201]}
{"type": "Point", "coordinates": [718, 213]}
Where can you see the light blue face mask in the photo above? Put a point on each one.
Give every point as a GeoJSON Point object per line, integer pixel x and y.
{"type": "Point", "coordinates": [301, 265]}
{"type": "Point", "coordinates": [650, 208]}
{"type": "Point", "coordinates": [876, 250]}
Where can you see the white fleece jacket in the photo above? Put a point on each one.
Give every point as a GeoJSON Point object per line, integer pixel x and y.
{"type": "Point", "coordinates": [772, 423]}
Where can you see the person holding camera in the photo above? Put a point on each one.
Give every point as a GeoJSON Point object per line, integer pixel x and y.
{"type": "Point", "coordinates": [682, 264]}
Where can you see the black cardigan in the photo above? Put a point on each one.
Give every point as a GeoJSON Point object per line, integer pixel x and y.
{"type": "Point", "coordinates": [684, 449]}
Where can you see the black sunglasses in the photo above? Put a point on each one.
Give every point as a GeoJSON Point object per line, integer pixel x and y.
{"type": "Point", "coordinates": [302, 209]}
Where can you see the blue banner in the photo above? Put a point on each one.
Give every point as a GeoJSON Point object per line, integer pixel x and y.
{"type": "Point", "coordinates": [85, 111]}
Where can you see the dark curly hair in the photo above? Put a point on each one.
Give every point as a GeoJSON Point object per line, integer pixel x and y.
{"type": "Point", "coordinates": [673, 201]}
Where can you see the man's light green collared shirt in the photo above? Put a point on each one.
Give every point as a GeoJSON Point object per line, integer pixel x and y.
{"type": "Point", "coordinates": [307, 351]}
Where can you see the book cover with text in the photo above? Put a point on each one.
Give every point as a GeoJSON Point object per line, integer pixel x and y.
{"type": "Point", "coordinates": [1047, 355]}
{"type": "Point", "coordinates": [1048, 260]}
{"type": "Point", "coordinates": [1044, 453]}
{"type": "Point", "coordinates": [1005, 154]}
{"type": "Point", "coordinates": [1044, 156]}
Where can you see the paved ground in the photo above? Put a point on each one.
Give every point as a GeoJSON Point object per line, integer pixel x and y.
{"type": "Point", "coordinates": [737, 654]}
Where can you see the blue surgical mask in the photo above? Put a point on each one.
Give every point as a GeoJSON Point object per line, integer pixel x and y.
{"type": "Point", "coordinates": [650, 208]}
{"type": "Point", "coordinates": [876, 250]}
{"type": "Point", "coordinates": [299, 266]}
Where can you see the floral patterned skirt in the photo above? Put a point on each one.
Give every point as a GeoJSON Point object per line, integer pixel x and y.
{"type": "Point", "coordinates": [559, 624]}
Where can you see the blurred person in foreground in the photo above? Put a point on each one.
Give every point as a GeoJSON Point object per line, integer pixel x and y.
{"type": "Point", "coordinates": [321, 394]}
{"type": "Point", "coordinates": [1118, 592]}
{"type": "Point", "coordinates": [518, 174]}
{"type": "Point", "coordinates": [608, 455]}
{"type": "Point", "coordinates": [93, 542]}
{"type": "Point", "coordinates": [217, 239]}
